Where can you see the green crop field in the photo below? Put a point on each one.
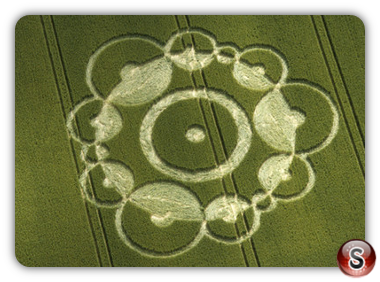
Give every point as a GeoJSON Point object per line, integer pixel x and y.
{"type": "Point", "coordinates": [188, 140]}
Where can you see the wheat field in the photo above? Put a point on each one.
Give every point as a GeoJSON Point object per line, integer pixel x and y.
{"type": "Point", "coordinates": [188, 140]}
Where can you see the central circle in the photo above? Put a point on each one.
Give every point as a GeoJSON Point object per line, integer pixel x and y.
{"type": "Point", "coordinates": [195, 134]}
{"type": "Point", "coordinates": [237, 113]}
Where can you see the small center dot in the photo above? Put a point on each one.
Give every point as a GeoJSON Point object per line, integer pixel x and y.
{"type": "Point", "coordinates": [195, 133]}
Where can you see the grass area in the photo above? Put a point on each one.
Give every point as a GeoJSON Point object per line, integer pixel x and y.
{"type": "Point", "coordinates": [56, 226]}
{"type": "Point", "coordinates": [51, 223]}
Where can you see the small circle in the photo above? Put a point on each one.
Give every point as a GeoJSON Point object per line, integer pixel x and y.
{"type": "Point", "coordinates": [358, 260]}
{"type": "Point", "coordinates": [195, 134]}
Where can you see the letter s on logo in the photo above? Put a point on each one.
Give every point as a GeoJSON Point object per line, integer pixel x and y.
{"type": "Point", "coordinates": [356, 262]}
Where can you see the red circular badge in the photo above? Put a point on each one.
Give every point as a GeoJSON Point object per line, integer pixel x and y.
{"type": "Point", "coordinates": [356, 258]}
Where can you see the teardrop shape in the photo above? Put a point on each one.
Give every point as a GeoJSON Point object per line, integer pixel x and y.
{"type": "Point", "coordinates": [167, 202]}
{"type": "Point", "coordinates": [227, 208]}
{"type": "Point", "coordinates": [107, 124]}
{"type": "Point", "coordinates": [276, 122]}
{"type": "Point", "coordinates": [119, 176]}
{"type": "Point", "coordinates": [142, 83]}
{"type": "Point", "coordinates": [102, 152]}
{"type": "Point", "coordinates": [275, 170]}
{"type": "Point", "coordinates": [251, 77]}
{"type": "Point", "coordinates": [191, 60]}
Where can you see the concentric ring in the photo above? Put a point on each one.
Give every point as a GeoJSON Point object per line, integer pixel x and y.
{"type": "Point", "coordinates": [242, 145]}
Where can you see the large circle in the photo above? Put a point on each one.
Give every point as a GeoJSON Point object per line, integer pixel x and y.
{"type": "Point", "coordinates": [94, 57]}
{"type": "Point", "coordinates": [125, 237]}
{"type": "Point", "coordinates": [242, 145]}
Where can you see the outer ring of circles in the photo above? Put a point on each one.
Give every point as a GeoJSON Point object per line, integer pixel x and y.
{"type": "Point", "coordinates": [97, 96]}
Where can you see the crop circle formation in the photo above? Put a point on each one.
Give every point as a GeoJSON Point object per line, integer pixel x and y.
{"type": "Point", "coordinates": [274, 121]}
